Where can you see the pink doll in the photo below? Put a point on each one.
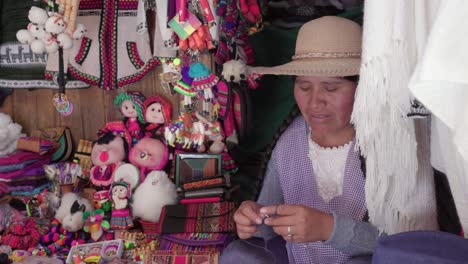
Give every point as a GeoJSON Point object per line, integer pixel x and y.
{"type": "Point", "coordinates": [149, 154]}
{"type": "Point", "coordinates": [130, 105]}
{"type": "Point", "coordinates": [107, 154]}
{"type": "Point", "coordinates": [120, 194]}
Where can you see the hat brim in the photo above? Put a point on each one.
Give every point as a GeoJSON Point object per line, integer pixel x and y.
{"type": "Point", "coordinates": [329, 67]}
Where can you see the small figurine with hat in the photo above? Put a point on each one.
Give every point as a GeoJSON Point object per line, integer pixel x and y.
{"type": "Point", "coordinates": [203, 82]}
{"type": "Point", "coordinates": [120, 194]}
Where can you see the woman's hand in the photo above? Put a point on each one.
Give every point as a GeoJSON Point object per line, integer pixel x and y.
{"type": "Point", "coordinates": [299, 223]}
{"type": "Point", "coordinates": [247, 217]}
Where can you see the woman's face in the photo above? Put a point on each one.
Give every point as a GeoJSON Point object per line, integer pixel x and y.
{"type": "Point", "coordinates": [325, 102]}
{"type": "Point", "coordinates": [128, 109]}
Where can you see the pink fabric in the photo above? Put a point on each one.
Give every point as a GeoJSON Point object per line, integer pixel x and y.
{"type": "Point", "coordinates": [21, 156]}
{"type": "Point", "coordinates": [14, 174]}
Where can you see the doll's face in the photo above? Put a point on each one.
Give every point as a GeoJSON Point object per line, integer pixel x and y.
{"type": "Point", "coordinates": [128, 109]}
{"type": "Point", "coordinates": [105, 154]}
{"type": "Point", "coordinates": [148, 153]}
{"type": "Point", "coordinates": [154, 114]}
{"type": "Point", "coordinates": [119, 191]}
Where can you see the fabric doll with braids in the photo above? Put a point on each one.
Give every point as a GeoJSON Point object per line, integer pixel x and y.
{"type": "Point", "coordinates": [120, 194]}
{"type": "Point", "coordinates": [130, 105]}
{"type": "Point", "coordinates": [157, 111]}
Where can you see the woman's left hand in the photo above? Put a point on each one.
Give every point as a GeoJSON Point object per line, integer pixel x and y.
{"type": "Point", "coordinates": [299, 223]}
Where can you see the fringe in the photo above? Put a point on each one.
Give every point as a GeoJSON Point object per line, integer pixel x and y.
{"type": "Point", "coordinates": [386, 138]}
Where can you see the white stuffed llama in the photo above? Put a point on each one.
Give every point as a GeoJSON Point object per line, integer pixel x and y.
{"type": "Point", "coordinates": [9, 134]}
{"type": "Point", "coordinates": [155, 192]}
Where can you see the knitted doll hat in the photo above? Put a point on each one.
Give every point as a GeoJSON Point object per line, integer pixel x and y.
{"type": "Point", "coordinates": [165, 105]}
{"type": "Point", "coordinates": [136, 98]}
{"type": "Point", "coordinates": [124, 184]}
{"type": "Point", "coordinates": [183, 86]}
{"type": "Point", "coordinates": [202, 77]}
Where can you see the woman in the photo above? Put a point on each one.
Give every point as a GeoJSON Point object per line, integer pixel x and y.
{"type": "Point", "coordinates": [313, 193]}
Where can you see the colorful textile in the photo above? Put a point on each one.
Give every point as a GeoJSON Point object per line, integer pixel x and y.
{"type": "Point", "coordinates": [19, 67]}
{"type": "Point", "coordinates": [206, 242]}
{"type": "Point", "coordinates": [25, 234]}
{"type": "Point", "coordinates": [182, 257]}
{"type": "Point", "coordinates": [198, 218]}
{"type": "Point", "coordinates": [121, 219]}
{"type": "Point", "coordinates": [16, 166]}
{"type": "Point", "coordinates": [111, 24]}
{"type": "Point", "coordinates": [15, 174]}
{"type": "Point", "coordinates": [298, 184]}
{"type": "Point", "coordinates": [19, 157]}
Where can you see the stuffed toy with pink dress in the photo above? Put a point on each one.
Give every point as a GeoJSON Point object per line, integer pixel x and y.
{"type": "Point", "coordinates": [130, 105]}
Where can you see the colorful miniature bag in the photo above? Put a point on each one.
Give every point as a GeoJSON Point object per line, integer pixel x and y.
{"type": "Point", "coordinates": [60, 135]}
{"type": "Point", "coordinates": [198, 218]}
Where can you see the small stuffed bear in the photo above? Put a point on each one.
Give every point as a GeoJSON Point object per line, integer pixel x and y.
{"type": "Point", "coordinates": [107, 154]}
{"type": "Point", "coordinates": [152, 195]}
{"type": "Point", "coordinates": [9, 134]}
{"type": "Point", "coordinates": [234, 71]}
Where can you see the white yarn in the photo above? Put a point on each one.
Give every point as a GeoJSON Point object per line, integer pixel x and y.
{"type": "Point", "coordinates": [384, 133]}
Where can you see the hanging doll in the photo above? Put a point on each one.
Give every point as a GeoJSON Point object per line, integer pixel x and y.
{"type": "Point", "coordinates": [157, 115]}
{"type": "Point", "coordinates": [203, 83]}
{"type": "Point", "coordinates": [130, 105]}
{"type": "Point", "coordinates": [107, 155]}
{"type": "Point", "coordinates": [120, 194]}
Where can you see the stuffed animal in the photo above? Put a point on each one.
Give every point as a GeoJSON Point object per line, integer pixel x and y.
{"type": "Point", "coordinates": [71, 210]}
{"type": "Point", "coordinates": [158, 112]}
{"type": "Point", "coordinates": [79, 31]}
{"type": "Point", "coordinates": [55, 24]}
{"type": "Point", "coordinates": [152, 195]}
{"type": "Point", "coordinates": [234, 71]}
{"type": "Point", "coordinates": [149, 154]}
{"type": "Point", "coordinates": [9, 134]}
{"type": "Point", "coordinates": [37, 15]}
{"type": "Point", "coordinates": [130, 105]}
{"type": "Point", "coordinates": [64, 41]}
{"type": "Point", "coordinates": [107, 154]}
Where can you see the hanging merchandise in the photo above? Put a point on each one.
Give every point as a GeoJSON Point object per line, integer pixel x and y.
{"type": "Point", "coordinates": [203, 83]}
{"type": "Point", "coordinates": [115, 52]}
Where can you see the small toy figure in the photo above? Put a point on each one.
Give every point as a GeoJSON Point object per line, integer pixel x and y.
{"type": "Point", "coordinates": [95, 224]}
{"type": "Point", "coordinates": [120, 194]}
{"type": "Point", "coordinates": [130, 105]}
{"type": "Point", "coordinates": [157, 115]}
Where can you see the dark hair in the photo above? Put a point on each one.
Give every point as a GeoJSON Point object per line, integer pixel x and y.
{"type": "Point", "coordinates": [108, 137]}
{"type": "Point", "coordinates": [354, 78]}
{"type": "Point", "coordinates": [295, 112]}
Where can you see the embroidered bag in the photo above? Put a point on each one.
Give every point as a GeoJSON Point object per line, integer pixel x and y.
{"type": "Point", "coordinates": [62, 136]}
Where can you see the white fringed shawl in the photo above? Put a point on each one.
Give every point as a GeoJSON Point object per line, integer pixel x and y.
{"type": "Point", "coordinates": [441, 84]}
{"type": "Point", "coordinates": [399, 196]}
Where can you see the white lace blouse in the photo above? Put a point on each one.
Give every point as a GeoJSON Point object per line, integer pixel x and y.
{"type": "Point", "coordinates": [329, 166]}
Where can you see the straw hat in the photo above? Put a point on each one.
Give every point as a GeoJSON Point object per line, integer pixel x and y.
{"type": "Point", "coordinates": [327, 46]}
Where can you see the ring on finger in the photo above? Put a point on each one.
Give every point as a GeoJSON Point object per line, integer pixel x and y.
{"type": "Point", "coordinates": [290, 235]}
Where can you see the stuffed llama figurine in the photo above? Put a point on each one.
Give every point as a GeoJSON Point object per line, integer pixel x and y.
{"type": "Point", "coordinates": [9, 134]}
